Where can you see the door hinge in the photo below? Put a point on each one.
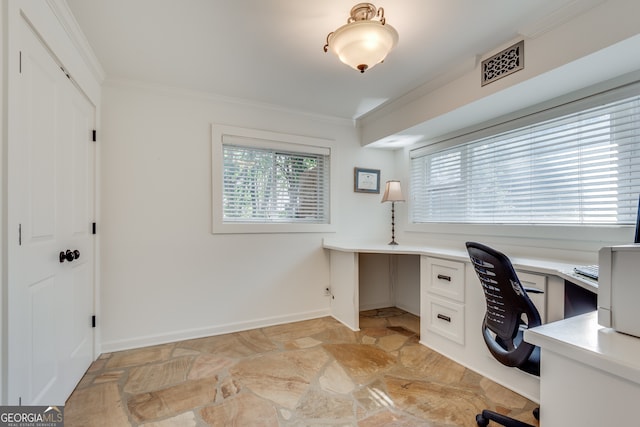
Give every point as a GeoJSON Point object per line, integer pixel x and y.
{"type": "Point", "coordinates": [94, 135]}
{"type": "Point", "coordinates": [93, 228]}
{"type": "Point", "coordinates": [20, 63]}
{"type": "Point", "coordinates": [93, 321]}
{"type": "Point", "coordinates": [19, 234]}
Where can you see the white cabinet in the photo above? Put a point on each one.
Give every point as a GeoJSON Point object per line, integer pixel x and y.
{"type": "Point", "coordinates": [590, 374]}
{"type": "Point", "coordinates": [442, 298]}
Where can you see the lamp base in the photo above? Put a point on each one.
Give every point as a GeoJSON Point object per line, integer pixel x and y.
{"type": "Point", "coordinates": [393, 242]}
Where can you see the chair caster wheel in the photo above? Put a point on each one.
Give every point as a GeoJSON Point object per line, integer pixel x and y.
{"type": "Point", "coordinates": [481, 421]}
{"type": "Point", "coordinates": [536, 413]}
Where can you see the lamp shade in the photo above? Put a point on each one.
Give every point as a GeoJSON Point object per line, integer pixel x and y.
{"type": "Point", "coordinates": [364, 41]}
{"type": "Point", "coordinates": [392, 192]}
{"type": "Point", "coordinates": [363, 44]}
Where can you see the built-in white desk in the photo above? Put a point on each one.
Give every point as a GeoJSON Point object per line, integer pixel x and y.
{"type": "Point", "coordinates": [590, 375]}
{"type": "Point", "coordinates": [451, 301]}
{"type": "Point", "coordinates": [344, 271]}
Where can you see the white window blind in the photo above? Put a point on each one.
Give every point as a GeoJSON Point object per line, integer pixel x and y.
{"type": "Point", "coordinates": [580, 168]}
{"type": "Point", "coordinates": [273, 185]}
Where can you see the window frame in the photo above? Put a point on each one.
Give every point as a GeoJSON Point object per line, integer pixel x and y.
{"type": "Point", "coordinates": [267, 140]}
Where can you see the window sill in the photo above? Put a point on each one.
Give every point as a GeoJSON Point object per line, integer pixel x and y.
{"type": "Point", "coordinates": [244, 228]}
{"type": "Point", "coordinates": [587, 238]}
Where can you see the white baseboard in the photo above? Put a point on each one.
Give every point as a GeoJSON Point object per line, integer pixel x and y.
{"type": "Point", "coordinates": [187, 334]}
{"type": "Point", "coordinates": [408, 309]}
{"type": "Point", "coordinates": [376, 305]}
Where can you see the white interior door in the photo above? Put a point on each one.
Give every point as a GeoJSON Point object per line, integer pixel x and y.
{"type": "Point", "coordinates": [51, 203]}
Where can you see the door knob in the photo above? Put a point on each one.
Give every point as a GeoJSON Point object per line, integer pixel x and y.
{"type": "Point", "coordinates": [68, 255]}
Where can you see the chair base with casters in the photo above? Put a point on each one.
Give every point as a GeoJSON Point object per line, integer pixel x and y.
{"type": "Point", "coordinates": [483, 419]}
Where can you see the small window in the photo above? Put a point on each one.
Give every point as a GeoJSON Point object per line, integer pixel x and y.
{"type": "Point", "coordinates": [266, 185]}
{"type": "Point", "coordinates": [267, 182]}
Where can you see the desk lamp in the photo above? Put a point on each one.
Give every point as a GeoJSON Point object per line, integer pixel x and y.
{"type": "Point", "coordinates": [393, 194]}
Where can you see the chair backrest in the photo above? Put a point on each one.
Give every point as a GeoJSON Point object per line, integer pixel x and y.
{"type": "Point", "coordinates": [506, 302]}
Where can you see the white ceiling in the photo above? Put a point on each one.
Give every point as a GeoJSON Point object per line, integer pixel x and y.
{"type": "Point", "coordinates": [270, 51]}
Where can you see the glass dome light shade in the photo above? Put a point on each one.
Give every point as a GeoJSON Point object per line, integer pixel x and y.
{"type": "Point", "coordinates": [363, 44]}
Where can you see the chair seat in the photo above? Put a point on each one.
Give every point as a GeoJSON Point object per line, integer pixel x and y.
{"type": "Point", "coordinates": [532, 365]}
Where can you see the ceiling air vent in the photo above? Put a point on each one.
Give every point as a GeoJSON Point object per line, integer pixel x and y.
{"type": "Point", "coordinates": [504, 63]}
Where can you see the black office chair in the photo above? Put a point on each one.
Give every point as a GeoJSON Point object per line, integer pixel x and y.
{"type": "Point", "coordinates": [502, 328]}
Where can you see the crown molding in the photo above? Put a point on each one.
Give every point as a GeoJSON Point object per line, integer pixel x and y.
{"type": "Point", "coordinates": [68, 22]}
{"type": "Point", "coordinates": [214, 97]}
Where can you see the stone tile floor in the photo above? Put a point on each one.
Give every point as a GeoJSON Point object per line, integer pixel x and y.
{"type": "Point", "coordinates": [310, 373]}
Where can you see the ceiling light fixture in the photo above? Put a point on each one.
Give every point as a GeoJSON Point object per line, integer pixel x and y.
{"type": "Point", "coordinates": [363, 42]}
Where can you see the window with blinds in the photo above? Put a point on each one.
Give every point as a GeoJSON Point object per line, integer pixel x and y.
{"type": "Point", "coordinates": [272, 185]}
{"type": "Point", "coordinates": [581, 168]}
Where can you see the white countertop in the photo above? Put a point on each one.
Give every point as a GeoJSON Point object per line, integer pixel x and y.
{"type": "Point", "coordinates": [543, 266]}
{"type": "Point", "coordinates": [383, 248]}
{"type": "Point", "coordinates": [581, 338]}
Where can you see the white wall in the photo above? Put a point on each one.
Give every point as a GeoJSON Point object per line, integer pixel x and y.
{"type": "Point", "coordinates": [165, 276]}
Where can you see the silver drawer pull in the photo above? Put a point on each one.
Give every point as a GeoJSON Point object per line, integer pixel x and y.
{"type": "Point", "coordinates": [443, 277]}
{"type": "Point", "coordinates": [445, 318]}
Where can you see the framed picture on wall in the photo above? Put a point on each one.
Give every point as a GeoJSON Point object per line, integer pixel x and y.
{"type": "Point", "coordinates": [366, 180]}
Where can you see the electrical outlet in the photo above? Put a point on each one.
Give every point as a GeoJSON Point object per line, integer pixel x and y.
{"type": "Point", "coordinates": [327, 291]}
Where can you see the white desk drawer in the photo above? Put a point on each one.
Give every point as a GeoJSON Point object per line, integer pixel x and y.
{"type": "Point", "coordinates": [444, 278]}
{"type": "Point", "coordinates": [445, 318]}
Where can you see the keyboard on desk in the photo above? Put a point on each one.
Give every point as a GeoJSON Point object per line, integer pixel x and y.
{"type": "Point", "coordinates": [590, 271]}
